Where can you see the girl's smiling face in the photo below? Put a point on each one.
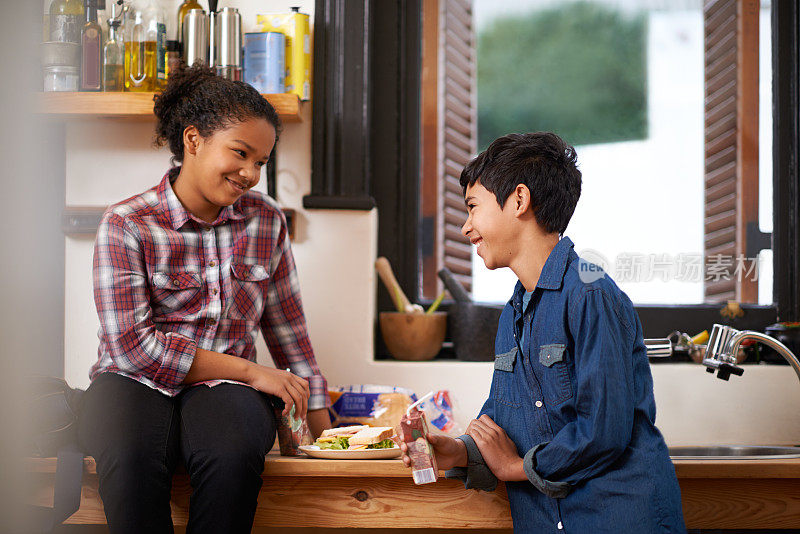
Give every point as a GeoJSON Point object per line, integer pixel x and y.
{"type": "Point", "coordinates": [217, 170]}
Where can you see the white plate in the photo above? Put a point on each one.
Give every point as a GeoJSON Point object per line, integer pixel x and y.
{"type": "Point", "coordinates": [363, 454]}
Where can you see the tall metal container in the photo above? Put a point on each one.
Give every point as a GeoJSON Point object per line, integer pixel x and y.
{"type": "Point", "coordinates": [226, 49]}
{"type": "Point", "coordinates": [195, 37]}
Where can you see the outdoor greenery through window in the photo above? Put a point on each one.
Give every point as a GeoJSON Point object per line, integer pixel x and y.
{"type": "Point", "coordinates": [579, 69]}
{"type": "Point", "coordinates": [625, 82]}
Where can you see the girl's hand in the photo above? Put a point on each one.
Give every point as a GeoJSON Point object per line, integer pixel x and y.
{"type": "Point", "coordinates": [497, 449]}
{"type": "Point", "coordinates": [292, 389]}
{"type": "Point", "coordinates": [449, 452]}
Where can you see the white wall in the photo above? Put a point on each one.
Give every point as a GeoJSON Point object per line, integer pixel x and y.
{"type": "Point", "coordinates": [108, 160]}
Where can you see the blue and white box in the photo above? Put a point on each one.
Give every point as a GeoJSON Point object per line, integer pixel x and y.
{"type": "Point", "coordinates": [264, 60]}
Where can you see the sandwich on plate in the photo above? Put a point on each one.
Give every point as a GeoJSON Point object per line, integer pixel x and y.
{"type": "Point", "coordinates": [358, 437]}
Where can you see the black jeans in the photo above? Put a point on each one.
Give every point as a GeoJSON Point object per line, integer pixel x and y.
{"type": "Point", "coordinates": [137, 435]}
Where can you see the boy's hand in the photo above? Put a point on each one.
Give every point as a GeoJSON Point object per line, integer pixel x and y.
{"type": "Point", "coordinates": [318, 420]}
{"type": "Point", "coordinates": [449, 452]}
{"type": "Point", "coordinates": [497, 449]}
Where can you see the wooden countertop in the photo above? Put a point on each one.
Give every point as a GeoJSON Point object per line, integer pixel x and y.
{"type": "Point", "coordinates": [716, 494]}
{"type": "Point", "coordinates": [277, 466]}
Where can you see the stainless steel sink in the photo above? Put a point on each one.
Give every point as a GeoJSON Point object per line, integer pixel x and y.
{"type": "Point", "coordinates": [734, 453]}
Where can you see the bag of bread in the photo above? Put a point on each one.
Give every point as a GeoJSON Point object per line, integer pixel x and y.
{"type": "Point", "coordinates": [367, 404]}
{"type": "Point", "coordinates": [438, 408]}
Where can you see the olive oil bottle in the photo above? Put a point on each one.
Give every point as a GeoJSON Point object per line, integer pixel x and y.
{"type": "Point", "coordinates": [113, 59]}
{"type": "Point", "coordinates": [144, 35]}
{"type": "Point", "coordinates": [158, 28]}
{"type": "Point", "coordinates": [140, 65]}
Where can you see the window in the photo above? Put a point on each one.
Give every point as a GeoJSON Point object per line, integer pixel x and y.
{"type": "Point", "coordinates": [663, 103]}
{"type": "Point", "coordinates": [367, 89]}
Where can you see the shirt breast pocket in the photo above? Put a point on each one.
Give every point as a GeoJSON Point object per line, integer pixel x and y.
{"type": "Point", "coordinates": [175, 293]}
{"type": "Point", "coordinates": [246, 302]}
{"type": "Point", "coordinates": [504, 387]}
{"type": "Point", "coordinates": [554, 365]}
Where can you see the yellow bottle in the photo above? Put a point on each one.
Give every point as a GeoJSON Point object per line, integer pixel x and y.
{"type": "Point", "coordinates": [140, 66]}
{"type": "Point", "coordinates": [143, 32]}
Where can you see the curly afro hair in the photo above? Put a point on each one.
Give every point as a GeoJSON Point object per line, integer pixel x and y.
{"type": "Point", "coordinates": [196, 96]}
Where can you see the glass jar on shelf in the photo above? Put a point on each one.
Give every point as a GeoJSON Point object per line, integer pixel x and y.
{"type": "Point", "coordinates": [66, 21]}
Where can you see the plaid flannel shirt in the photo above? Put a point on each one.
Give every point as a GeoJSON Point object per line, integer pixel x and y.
{"type": "Point", "coordinates": [166, 283]}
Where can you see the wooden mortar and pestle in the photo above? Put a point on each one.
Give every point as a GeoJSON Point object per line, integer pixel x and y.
{"type": "Point", "coordinates": [409, 333]}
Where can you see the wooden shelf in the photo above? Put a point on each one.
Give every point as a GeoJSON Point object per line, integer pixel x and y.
{"type": "Point", "coordinates": [68, 105]}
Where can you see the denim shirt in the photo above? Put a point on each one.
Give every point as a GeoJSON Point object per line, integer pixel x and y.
{"type": "Point", "coordinates": [577, 400]}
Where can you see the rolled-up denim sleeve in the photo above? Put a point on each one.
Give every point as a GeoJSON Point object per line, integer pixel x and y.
{"type": "Point", "coordinates": [556, 490]}
{"type": "Point", "coordinates": [604, 397]}
{"type": "Point", "coordinates": [476, 475]}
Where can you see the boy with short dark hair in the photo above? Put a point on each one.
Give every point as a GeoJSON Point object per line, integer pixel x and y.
{"type": "Point", "coordinates": [569, 422]}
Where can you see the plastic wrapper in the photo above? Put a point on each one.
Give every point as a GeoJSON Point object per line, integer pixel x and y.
{"type": "Point", "coordinates": [413, 430]}
{"type": "Point", "coordinates": [439, 412]}
{"type": "Point", "coordinates": [368, 404]}
{"type": "Point", "coordinates": [292, 432]}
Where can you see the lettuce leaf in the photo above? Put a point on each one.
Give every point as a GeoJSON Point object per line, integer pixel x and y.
{"type": "Point", "coordinates": [385, 444]}
{"type": "Point", "coordinates": [337, 445]}
{"type": "Point", "coordinates": [342, 443]}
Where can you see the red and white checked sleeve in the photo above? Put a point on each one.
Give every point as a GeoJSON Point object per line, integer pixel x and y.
{"type": "Point", "coordinates": [284, 324]}
{"type": "Point", "coordinates": [135, 345]}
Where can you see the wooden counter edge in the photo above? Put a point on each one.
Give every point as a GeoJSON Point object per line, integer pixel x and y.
{"type": "Point", "coordinates": [276, 465]}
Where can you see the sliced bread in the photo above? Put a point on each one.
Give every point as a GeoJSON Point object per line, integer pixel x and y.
{"type": "Point", "coordinates": [343, 431]}
{"type": "Point", "coordinates": [371, 435]}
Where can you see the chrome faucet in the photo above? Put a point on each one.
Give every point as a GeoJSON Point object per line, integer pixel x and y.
{"type": "Point", "coordinates": [723, 346]}
{"type": "Point", "coordinates": [724, 343]}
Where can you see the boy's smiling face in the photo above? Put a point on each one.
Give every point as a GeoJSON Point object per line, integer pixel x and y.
{"type": "Point", "coordinates": [489, 226]}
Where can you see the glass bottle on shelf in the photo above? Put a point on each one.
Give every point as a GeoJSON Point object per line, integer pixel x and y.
{"type": "Point", "coordinates": [66, 20]}
{"type": "Point", "coordinates": [182, 11]}
{"type": "Point", "coordinates": [113, 58]}
{"type": "Point", "coordinates": [157, 26]}
{"type": "Point", "coordinates": [140, 49]}
{"type": "Point", "coordinates": [91, 49]}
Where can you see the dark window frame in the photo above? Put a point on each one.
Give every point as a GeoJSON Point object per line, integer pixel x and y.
{"type": "Point", "coordinates": [365, 150]}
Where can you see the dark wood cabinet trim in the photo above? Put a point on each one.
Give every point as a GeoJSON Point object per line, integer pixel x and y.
{"type": "Point", "coordinates": [785, 153]}
{"type": "Point", "coordinates": [340, 162]}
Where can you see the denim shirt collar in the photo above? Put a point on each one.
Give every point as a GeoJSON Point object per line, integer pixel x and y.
{"type": "Point", "coordinates": [552, 275]}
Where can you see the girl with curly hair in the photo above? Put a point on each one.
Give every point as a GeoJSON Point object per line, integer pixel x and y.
{"type": "Point", "coordinates": [185, 275]}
